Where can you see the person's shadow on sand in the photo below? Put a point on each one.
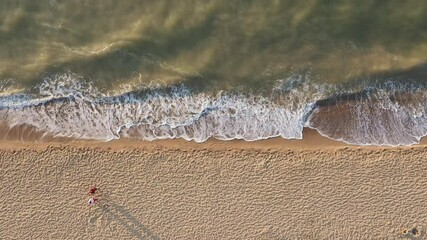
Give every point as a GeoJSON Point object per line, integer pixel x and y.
{"type": "Point", "coordinates": [126, 219]}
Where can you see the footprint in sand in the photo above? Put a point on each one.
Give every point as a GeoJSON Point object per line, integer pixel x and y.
{"type": "Point", "coordinates": [93, 219]}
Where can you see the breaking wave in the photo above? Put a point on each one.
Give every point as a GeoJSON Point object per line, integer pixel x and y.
{"type": "Point", "coordinates": [65, 106]}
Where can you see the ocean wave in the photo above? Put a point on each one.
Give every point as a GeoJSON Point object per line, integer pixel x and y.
{"type": "Point", "coordinates": [65, 106]}
{"type": "Point", "coordinates": [380, 117]}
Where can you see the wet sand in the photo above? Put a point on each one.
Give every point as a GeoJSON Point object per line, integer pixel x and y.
{"type": "Point", "coordinates": [273, 189]}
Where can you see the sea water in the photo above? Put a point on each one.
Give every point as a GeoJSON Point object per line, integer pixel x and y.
{"type": "Point", "coordinates": [251, 70]}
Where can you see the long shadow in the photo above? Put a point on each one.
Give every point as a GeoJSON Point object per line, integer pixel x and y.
{"type": "Point", "coordinates": [126, 219]}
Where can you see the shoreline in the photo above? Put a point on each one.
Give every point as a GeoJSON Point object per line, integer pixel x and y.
{"type": "Point", "coordinates": [311, 140]}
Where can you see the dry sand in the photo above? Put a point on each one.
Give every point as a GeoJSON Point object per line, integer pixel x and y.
{"type": "Point", "coordinates": [274, 189]}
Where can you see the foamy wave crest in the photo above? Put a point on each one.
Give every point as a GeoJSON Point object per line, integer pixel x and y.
{"type": "Point", "coordinates": [65, 107]}
{"type": "Point", "coordinates": [386, 115]}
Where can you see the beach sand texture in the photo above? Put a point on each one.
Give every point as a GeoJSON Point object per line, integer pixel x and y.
{"type": "Point", "coordinates": [215, 190]}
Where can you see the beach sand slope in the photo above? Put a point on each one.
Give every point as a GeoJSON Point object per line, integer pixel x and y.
{"type": "Point", "coordinates": [212, 192]}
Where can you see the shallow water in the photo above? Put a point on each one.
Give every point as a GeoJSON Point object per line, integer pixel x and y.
{"type": "Point", "coordinates": [355, 71]}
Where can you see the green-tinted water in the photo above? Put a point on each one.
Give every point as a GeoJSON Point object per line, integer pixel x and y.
{"type": "Point", "coordinates": [209, 44]}
{"type": "Point", "coordinates": [353, 70]}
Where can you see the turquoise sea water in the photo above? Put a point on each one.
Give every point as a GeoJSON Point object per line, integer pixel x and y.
{"type": "Point", "coordinates": [353, 70]}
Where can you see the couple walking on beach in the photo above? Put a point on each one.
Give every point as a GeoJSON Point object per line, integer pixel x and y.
{"type": "Point", "coordinates": [93, 199]}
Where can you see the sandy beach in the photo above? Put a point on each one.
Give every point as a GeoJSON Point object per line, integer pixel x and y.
{"type": "Point", "coordinates": [172, 189]}
{"type": "Point", "coordinates": [247, 119]}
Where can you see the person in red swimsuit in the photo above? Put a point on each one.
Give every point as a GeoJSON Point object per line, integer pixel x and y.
{"type": "Point", "coordinates": [93, 200]}
{"type": "Point", "coordinates": [92, 190]}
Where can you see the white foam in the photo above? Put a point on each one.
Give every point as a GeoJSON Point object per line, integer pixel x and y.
{"type": "Point", "coordinates": [67, 106]}
{"type": "Point", "coordinates": [382, 119]}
